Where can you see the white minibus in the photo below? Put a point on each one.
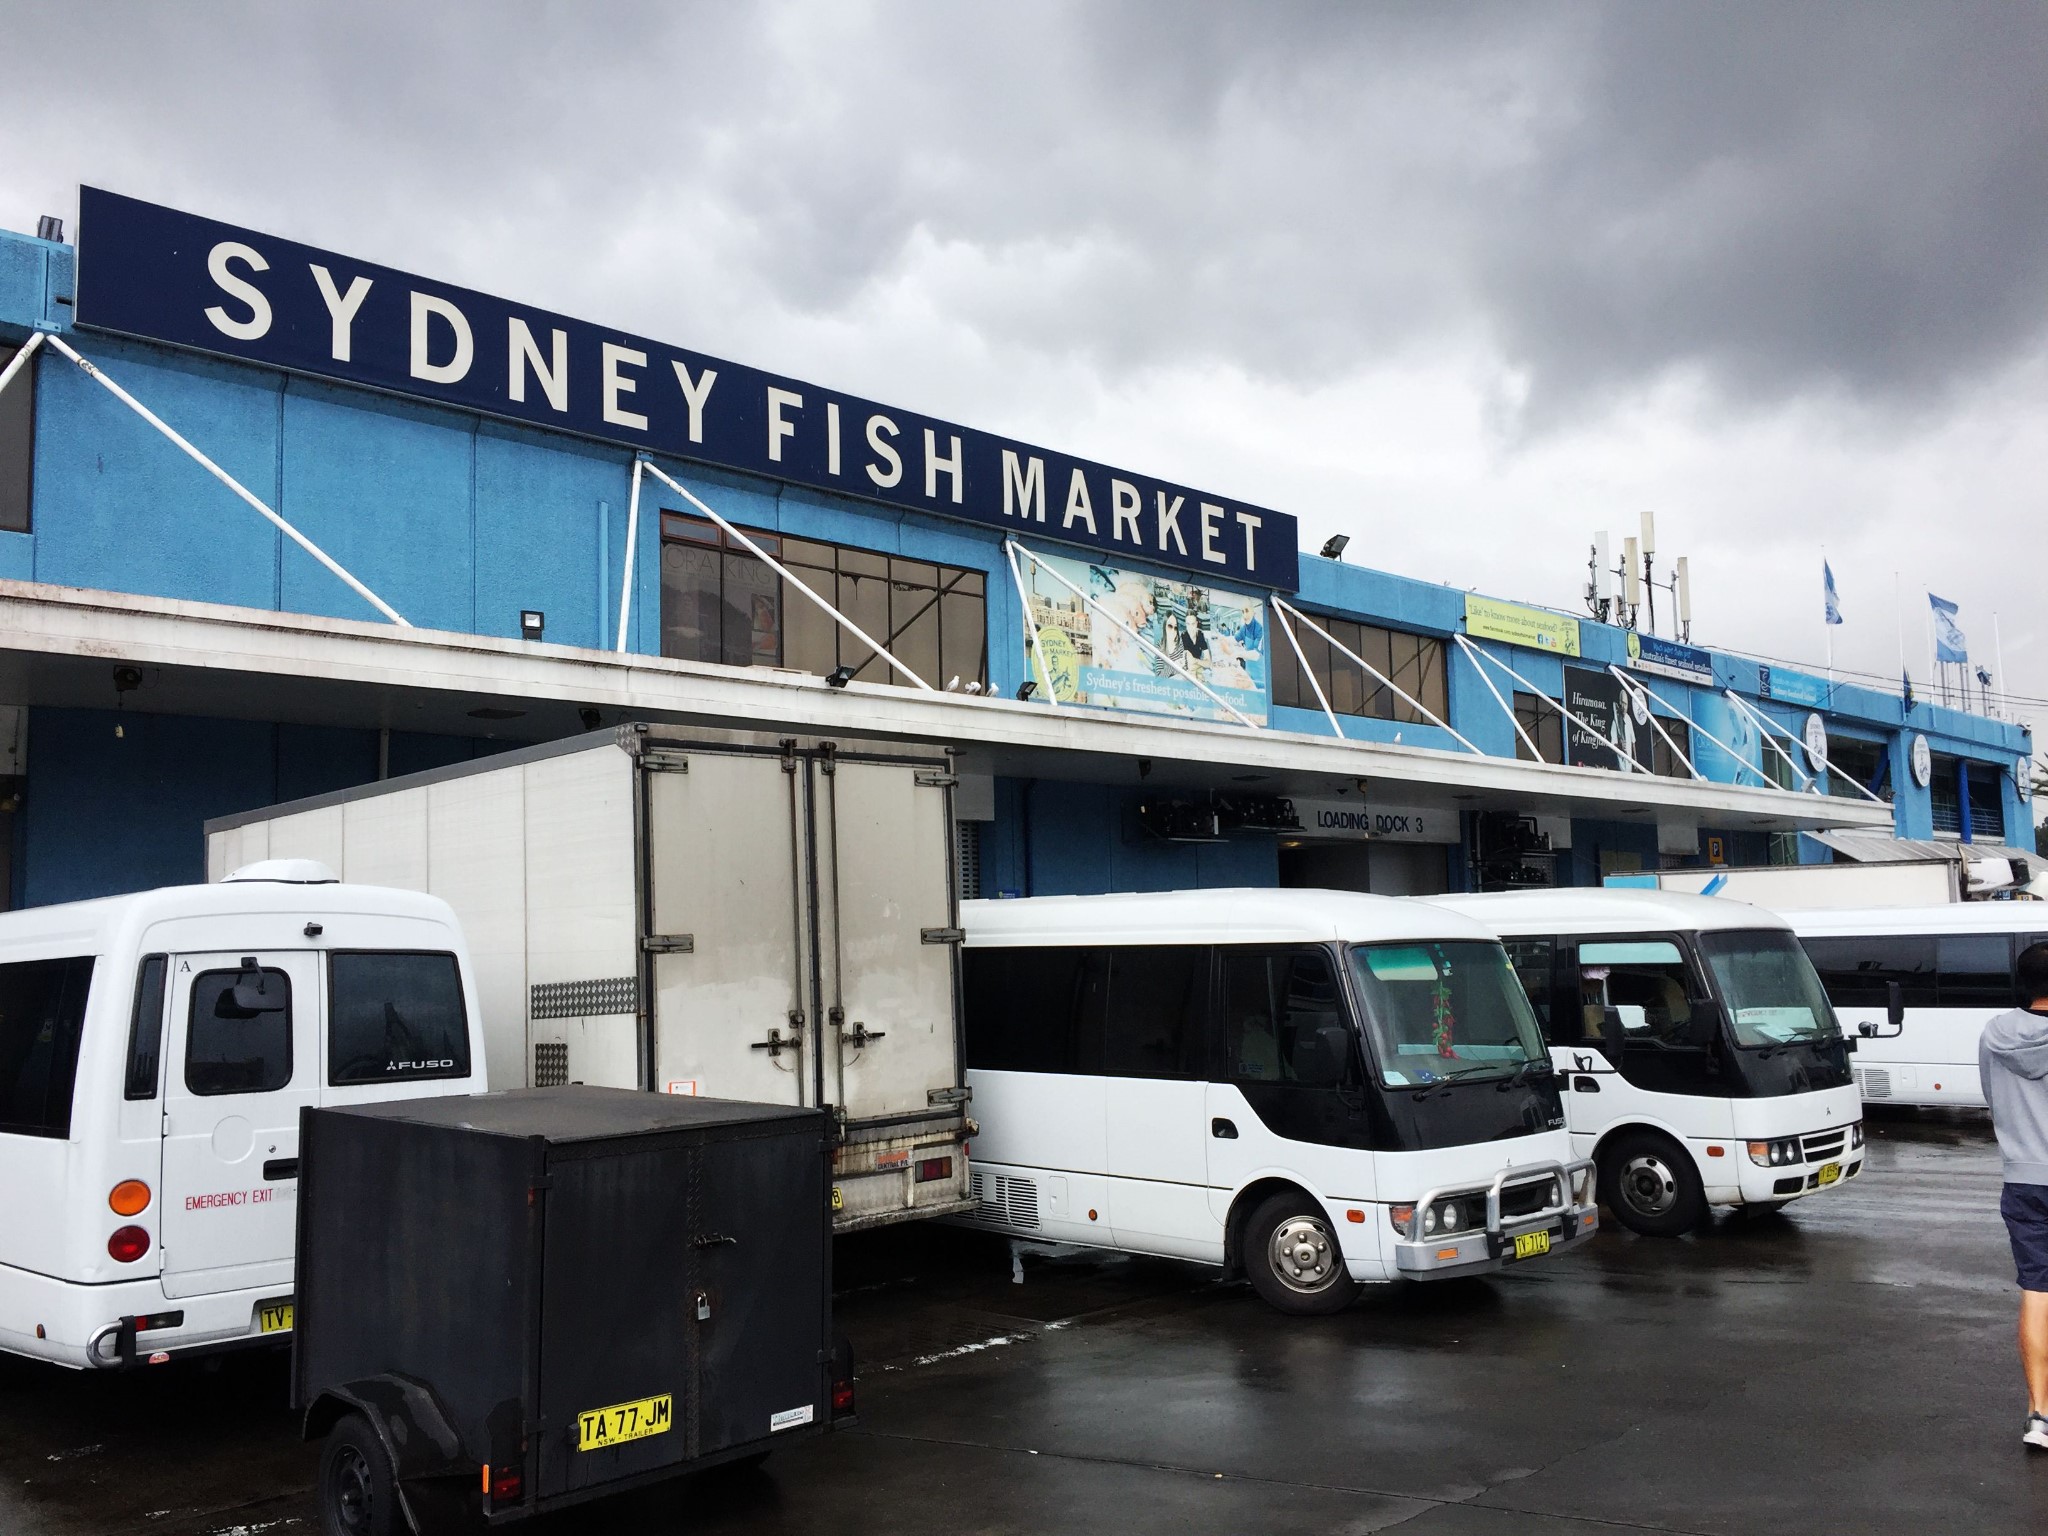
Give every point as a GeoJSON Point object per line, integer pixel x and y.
{"type": "Point", "coordinates": [1919, 984]}
{"type": "Point", "coordinates": [1702, 1064]}
{"type": "Point", "coordinates": [1315, 1088]}
{"type": "Point", "coordinates": [155, 1052]}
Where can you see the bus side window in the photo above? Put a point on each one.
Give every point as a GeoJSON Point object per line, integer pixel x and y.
{"type": "Point", "coordinates": [1283, 1018]}
{"type": "Point", "coordinates": [1158, 1006]}
{"type": "Point", "coordinates": [1854, 971]}
{"type": "Point", "coordinates": [1974, 970]}
{"type": "Point", "coordinates": [1531, 960]}
{"type": "Point", "coordinates": [146, 1028]}
{"type": "Point", "coordinates": [231, 1050]}
{"type": "Point", "coordinates": [42, 1019]}
{"type": "Point", "coordinates": [1021, 1009]}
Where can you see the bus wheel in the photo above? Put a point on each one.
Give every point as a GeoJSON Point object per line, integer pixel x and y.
{"type": "Point", "coordinates": [358, 1496]}
{"type": "Point", "coordinates": [1651, 1185]}
{"type": "Point", "coordinates": [1293, 1259]}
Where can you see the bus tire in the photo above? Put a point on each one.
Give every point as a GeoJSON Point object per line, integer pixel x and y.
{"type": "Point", "coordinates": [1293, 1258]}
{"type": "Point", "coordinates": [1650, 1184]}
{"type": "Point", "coordinates": [358, 1492]}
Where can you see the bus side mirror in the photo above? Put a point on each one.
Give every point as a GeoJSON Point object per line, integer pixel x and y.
{"type": "Point", "coordinates": [1894, 1004]}
{"type": "Point", "coordinates": [253, 995]}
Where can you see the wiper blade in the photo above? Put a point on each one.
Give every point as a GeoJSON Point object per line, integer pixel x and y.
{"type": "Point", "coordinates": [1444, 1080]}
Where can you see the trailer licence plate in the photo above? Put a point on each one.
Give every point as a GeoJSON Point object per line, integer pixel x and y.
{"type": "Point", "coordinates": [273, 1317]}
{"type": "Point", "coordinates": [601, 1428]}
{"type": "Point", "coordinates": [1829, 1172]}
{"type": "Point", "coordinates": [1530, 1245]}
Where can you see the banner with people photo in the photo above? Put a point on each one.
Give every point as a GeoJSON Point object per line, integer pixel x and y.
{"type": "Point", "coordinates": [1220, 637]}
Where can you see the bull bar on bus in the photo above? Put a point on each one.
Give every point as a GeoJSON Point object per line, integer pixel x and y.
{"type": "Point", "coordinates": [1569, 1218]}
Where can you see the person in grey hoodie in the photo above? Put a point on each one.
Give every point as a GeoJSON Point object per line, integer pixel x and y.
{"type": "Point", "coordinates": [2012, 1058]}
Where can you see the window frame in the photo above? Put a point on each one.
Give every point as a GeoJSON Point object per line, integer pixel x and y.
{"type": "Point", "coordinates": [49, 1129]}
{"type": "Point", "coordinates": [291, 1065]}
{"type": "Point", "coordinates": [132, 1090]}
{"type": "Point", "coordinates": [1423, 671]}
{"type": "Point", "coordinates": [20, 396]}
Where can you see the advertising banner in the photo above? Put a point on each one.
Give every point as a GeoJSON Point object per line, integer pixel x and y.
{"type": "Point", "coordinates": [1596, 698]}
{"type": "Point", "coordinates": [1220, 637]}
{"type": "Point", "coordinates": [173, 277]}
{"type": "Point", "coordinates": [1793, 687]}
{"type": "Point", "coordinates": [1668, 658]}
{"type": "Point", "coordinates": [1538, 629]}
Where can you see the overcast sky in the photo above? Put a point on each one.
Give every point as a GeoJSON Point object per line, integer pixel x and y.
{"type": "Point", "coordinates": [1465, 282]}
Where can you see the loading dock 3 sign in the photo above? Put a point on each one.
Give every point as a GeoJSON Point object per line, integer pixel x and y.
{"type": "Point", "coordinates": [1354, 821]}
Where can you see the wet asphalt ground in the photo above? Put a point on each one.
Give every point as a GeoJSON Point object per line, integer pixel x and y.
{"type": "Point", "coordinates": [1847, 1366]}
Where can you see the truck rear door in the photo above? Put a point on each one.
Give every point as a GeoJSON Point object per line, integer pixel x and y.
{"type": "Point", "coordinates": [887, 930]}
{"type": "Point", "coordinates": [244, 1058]}
{"type": "Point", "coordinates": [727, 920]}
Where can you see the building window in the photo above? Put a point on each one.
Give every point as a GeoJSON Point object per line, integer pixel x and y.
{"type": "Point", "coordinates": [1543, 724]}
{"type": "Point", "coordinates": [1945, 790]}
{"type": "Point", "coordinates": [1414, 662]}
{"type": "Point", "coordinates": [17, 443]}
{"type": "Point", "coordinates": [1852, 761]}
{"type": "Point", "coordinates": [1987, 803]}
{"type": "Point", "coordinates": [719, 603]}
{"type": "Point", "coordinates": [1664, 761]}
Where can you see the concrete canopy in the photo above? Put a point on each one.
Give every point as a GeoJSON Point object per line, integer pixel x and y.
{"type": "Point", "coordinates": [59, 647]}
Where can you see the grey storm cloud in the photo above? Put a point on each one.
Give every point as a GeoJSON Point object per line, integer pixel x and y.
{"type": "Point", "coordinates": [1779, 201]}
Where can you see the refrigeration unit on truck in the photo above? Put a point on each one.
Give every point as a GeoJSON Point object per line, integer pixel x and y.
{"type": "Point", "coordinates": [733, 915]}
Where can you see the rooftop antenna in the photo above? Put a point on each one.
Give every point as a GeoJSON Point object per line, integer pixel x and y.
{"type": "Point", "coordinates": [1631, 579]}
{"type": "Point", "coordinates": [1600, 579]}
{"type": "Point", "coordinates": [1683, 592]}
{"type": "Point", "coordinates": [1650, 563]}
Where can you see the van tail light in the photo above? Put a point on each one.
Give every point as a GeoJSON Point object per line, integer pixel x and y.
{"type": "Point", "coordinates": [503, 1485]}
{"type": "Point", "coordinates": [934, 1168]}
{"type": "Point", "coordinates": [128, 1244]}
{"type": "Point", "coordinates": [842, 1379]}
{"type": "Point", "coordinates": [130, 1197]}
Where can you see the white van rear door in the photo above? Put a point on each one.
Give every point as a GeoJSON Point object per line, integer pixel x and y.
{"type": "Point", "coordinates": [236, 1079]}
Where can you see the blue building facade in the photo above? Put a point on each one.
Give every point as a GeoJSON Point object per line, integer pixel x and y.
{"type": "Point", "coordinates": [465, 516]}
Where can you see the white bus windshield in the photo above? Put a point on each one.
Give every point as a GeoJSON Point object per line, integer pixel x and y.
{"type": "Point", "coordinates": [1444, 1010]}
{"type": "Point", "coordinates": [1773, 996]}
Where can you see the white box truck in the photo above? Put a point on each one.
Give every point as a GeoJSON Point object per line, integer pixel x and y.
{"type": "Point", "coordinates": [728, 914]}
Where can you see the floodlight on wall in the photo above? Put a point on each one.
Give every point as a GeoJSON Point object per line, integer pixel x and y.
{"type": "Point", "coordinates": [839, 677]}
{"type": "Point", "coordinates": [50, 227]}
{"type": "Point", "coordinates": [532, 623]}
{"type": "Point", "coordinates": [1333, 546]}
{"type": "Point", "coordinates": [1027, 688]}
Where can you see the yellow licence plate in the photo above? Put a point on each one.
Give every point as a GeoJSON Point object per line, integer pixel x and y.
{"type": "Point", "coordinates": [602, 1428]}
{"type": "Point", "coordinates": [1829, 1172]}
{"type": "Point", "coordinates": [274, 1317]}
{"type": "Point", "coordinates": [1529, 1245]}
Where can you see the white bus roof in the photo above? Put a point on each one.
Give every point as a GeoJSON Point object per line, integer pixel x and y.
{"type": "Point", "coordinates": [1249, 916]}
{"type": "Point", "coordinates": [1954, 917]}
{"type": "Point", "coordinates": [1588, 909]}
{"type": "Point", "coordinates": [104, 924]}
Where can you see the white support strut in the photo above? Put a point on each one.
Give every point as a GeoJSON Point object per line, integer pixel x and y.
{"type": "Point", "coordinates": [1225, 704]}
{"type": "Point", "coordinates": [1629, 764]}
{"type": "Point", "coordinates": [1771, 727]}
{"type": "Point", "coordinates": [1734, 756]}
{"type": "Point", "coordinates": [632, 543]}
{"type": "Point", "coordinates": [1377, 675]}
{"type": "Point", "coordinates": [787, 575]}
{"type": "Point", "coordinates": [1506, 708]}
{"type": "Point", "coordinates": [230, 482]}
{"type": "Point", "coordinates": [1280, 611]}
{"type": "Point", "coordinates": [1763, 724]}
{"type": "Point", "coordinates": [1031, 625]}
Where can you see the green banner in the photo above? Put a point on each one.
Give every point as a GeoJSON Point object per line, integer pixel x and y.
{"type": "Point", "coordinates": [1536, 628]}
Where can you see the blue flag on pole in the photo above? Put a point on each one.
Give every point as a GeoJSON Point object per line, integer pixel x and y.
{"type": "Point", "coordinates": [1830, 595]}
{"type": "Point", "coordinates": [1949, 642]}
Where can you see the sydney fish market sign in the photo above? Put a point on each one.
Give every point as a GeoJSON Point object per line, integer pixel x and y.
{"type": "Point", "coordinates": [162, 275]}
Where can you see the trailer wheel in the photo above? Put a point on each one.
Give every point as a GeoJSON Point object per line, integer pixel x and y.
{"type": "Point", "coordinates": [358, 1495]}
{"type": "Point", "coordinates": [1293, 1259]}
{"type": "Point", "coordinates": [1651, 1185]}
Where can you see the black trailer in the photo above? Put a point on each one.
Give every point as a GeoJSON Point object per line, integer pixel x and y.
{"type": "Point", "coordinates": [516, 1301]}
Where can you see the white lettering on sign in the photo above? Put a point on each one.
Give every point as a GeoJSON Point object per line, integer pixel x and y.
{"type": "Point", "coordinates": [1023, 489]}
{"type": "Point", "coordinates": [425, 308]}
{"type": "Point", "coordinates": [934, 466]}
{"type": "Point", "coordinates": [1124, 506]}
{"type": "Point", "coordinates": [884, 453]}
{"type": "Point", "coordinates": [1169, 522]}
{"type": "Point", "coordinates": [779, 425]}
{"type": "Point", "coordinates": [617, 384]}
{"type": "Point", "coordinates": [258, 323]}
{"type": "Point", "coordinates": [697, 390]}
{"type": "Point", "coordinates": [1211, 516]}
{"type": "Point", "coordinates": [342, 307]}
{"type": "Point", "coordinates": [551, 373]}
{"type": "Point", "coordinates": [1079, 509]}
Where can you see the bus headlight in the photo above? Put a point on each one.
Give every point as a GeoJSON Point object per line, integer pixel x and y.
{"type": "Point", "coordinates": [1775, 1154]}
{"type": "Point", "coordinates": [1448, 1216]}
{"type": "Point", "coordinates": [1855, 1133]}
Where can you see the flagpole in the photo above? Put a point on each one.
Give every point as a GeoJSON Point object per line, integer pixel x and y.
{"type": "Point", "coordinates": [1899, 613]}
{"type": "Point", "coordinates": [1998, 652]}
{"type": "Point", "coordinates": [1827, 614]}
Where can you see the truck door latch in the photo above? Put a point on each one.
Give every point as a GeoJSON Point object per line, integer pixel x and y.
{"type": "Point", "coordinates": [862, 1035]}
{"type": "Point", "coordinates": [716, 1239]}
{"type": "Point", "coordinates": [703, 1307]}
{"type": "Point", "coordinates": [775, 1044]}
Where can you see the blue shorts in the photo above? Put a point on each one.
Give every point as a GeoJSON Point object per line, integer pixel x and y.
{"type": "Point", "coordinates": [2025, 1209]}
